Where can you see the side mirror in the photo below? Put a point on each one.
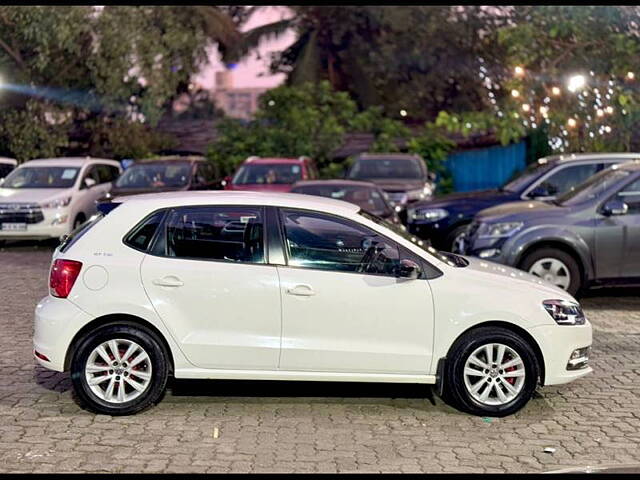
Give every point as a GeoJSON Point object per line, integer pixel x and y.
{"type": "Point", "coordinates": [432, 176]}
{"type": "Point", "coordinates": [89, 182]}
{"type": "Point", "coordinates": [540, 192]}
{"type": "Point", "coordinates": [408, 269]}
{"type": "Point", "coordinates": [615, 207]}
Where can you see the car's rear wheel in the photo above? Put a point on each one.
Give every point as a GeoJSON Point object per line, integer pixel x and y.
{"type": "Point", "coordinates": [554, 266]}
{"type": "Point", "coordinates": [490, 371]}
{"type": "Point", "coordinates": [119, 370]}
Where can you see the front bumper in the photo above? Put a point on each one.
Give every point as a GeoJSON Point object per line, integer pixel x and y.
{"type": "Point", "coordinates": [50, 227]}
{"type": "Point", "coordinates": [57, 320]}
{"type": "Point", "coordinates": [557, 343]}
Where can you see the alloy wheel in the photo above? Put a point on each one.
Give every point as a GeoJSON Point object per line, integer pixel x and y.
{"type": "Point", "coordinates": [494, 374]}
{"type": "Point", "coordinates": [553, 271]}
{"type": "Point", "coordinates": [118, 371]}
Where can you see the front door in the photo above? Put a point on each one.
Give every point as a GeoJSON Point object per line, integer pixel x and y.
{"type": "Point", "coordinates": [209, 282]}
{"type": "Point", "coordinates": [343, 308]}
{"type": "Point", "coordinates": [618, 237]}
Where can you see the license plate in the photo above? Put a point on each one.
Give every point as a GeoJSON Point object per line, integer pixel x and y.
{"type": "Point", "coordinates": [14, 227]}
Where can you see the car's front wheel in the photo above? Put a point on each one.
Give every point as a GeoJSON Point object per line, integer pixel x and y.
{"type": "Point", "coordinates": [554, 266]}
{"type": "Point", "coordinates": [119, 370]}
{"type": "Point", "coordinates": [490, 371]}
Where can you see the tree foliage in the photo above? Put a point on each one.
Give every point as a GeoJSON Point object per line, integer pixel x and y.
{"type": "Point", "coordinates": [311, 120]}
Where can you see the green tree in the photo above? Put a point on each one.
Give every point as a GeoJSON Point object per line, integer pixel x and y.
{"type": "Point", "coordinates": [118, 62]}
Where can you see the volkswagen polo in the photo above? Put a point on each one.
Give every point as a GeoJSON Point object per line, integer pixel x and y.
{"type": "Point", "coordinates": [269, 286]}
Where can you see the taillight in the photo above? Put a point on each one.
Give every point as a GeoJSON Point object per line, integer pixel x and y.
{"type": "Point", "coordinates": [63, 276]}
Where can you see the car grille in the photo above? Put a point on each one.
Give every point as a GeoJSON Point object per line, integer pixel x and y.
{"type": "Point", "coordinates": [20, 213]}
{"type": "Point", "coordinates": [398, 197]}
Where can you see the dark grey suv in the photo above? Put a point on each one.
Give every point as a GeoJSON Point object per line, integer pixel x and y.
{"type": "Point", "coordinates": [588, 236]}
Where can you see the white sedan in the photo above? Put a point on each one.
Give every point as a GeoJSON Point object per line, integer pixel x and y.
{"type": "Point", "coordinates": [244, 285]}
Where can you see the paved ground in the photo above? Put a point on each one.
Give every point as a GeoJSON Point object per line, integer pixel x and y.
{"type": "Point", "coordinates": [311, 427]}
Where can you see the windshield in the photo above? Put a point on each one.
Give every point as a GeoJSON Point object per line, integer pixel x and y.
{"type": "Point", "coordinates": [366, 198]}
{"type": "Point", "coordinates": [386, 168]}
{"type": "Point", "coordinates": [41, 177]}
{"type": "Point", "coordinates": [450, 259]}
{"type": "Point", "coordinates": [155, 175]}
{"type": "Point", "coordinates": [593, 187]}
{"type": "Point", "coordinates": [268, 174]}
{"type": "Point", "coordinates": [525, 177]}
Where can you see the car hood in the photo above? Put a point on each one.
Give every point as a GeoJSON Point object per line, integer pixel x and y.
{"type": "Point", "coordinates": [260, 187]}
{"type": "Point", "coordinates": [475, 200]}
{"type": "Point", "coordinates": [499, 273]}
{"type": "Point", "coordinates": [399, 185]}
{"type": "Point", "coordinates": [32, 195]}
{"type": "Point", "coordinates": [521, 211]}
{"type": "Point", "coordinates": [121, 192]}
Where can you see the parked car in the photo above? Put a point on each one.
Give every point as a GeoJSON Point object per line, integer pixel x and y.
{"type": "Point", "coordinates": [165, 174]}
{"type": "Point", "coordinates": [239, 285]}
{"type": "Point", "coordinates": [271, 174]}
{"type": "Point", "coordinates": [366, 195]}
{"type": "Point", "coordinates": [588, 236]}
{"type": "Point", "coordinates": [6, 166]}
{"type": "Point", "coordinates": [444, 220]}
{"type": "Point", "coordinates": [47, 198]}
{"type": "Point", "coordinates": [404, 177]}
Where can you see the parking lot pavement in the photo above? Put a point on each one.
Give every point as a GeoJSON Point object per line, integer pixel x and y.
{"type": "Point", "coordinates": [311, 427]}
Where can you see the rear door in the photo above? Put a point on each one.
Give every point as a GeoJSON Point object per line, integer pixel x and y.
{"type": "Point", "coordinates": [211, 285]}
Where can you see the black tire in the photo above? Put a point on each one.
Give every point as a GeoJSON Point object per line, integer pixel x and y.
{"type": "Point", "coordinates": [450, 241]}
{"type": "Point", "coordinates": [455, 390]}
{"type": "Point", "coordinates": [575, 283]}
{"type": "Point", "coordinates": [79, 220]}
{"type": "Point", "coordinates": [159, 360]}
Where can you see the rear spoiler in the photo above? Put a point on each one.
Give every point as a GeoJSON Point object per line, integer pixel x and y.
{"type": "Point", "coordinates": [105, 207]}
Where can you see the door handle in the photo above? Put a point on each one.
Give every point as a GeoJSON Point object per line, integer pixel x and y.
{"type": "Point", "coordinates": [301, 291]}
{"type": "Point", "coordinates": [169, 281]}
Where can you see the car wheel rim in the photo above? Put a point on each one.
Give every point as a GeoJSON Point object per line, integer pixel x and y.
{"type": "Point", "coordinates": [457, 246]}
{"type": "Point", "coordinates": [494, 374]}
{"type": "Point", "coordinates": [553, 271]}
{"type": "Point", "coordinates": [118, 371]}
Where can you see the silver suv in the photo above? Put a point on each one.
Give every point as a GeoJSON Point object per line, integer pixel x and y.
{"type": "Point", "coordinates": [588, 236]}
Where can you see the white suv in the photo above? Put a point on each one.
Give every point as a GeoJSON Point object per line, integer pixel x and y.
{"type": "Point", "coordinates": [245, 285]}
{"type": "Point", "coordinates": [48, 198]}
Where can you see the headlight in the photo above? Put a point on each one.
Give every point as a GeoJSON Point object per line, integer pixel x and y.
{"type": "Point", "coordinates": [498, 230]}
{"type": "Point", "coordinates": [564, 312]}
{"type": "Point", "coordinates": [60, 202]}
{"type": "Point", "coordinates": [427, 214]}
{"type": "Point", "coordinates": [420, 193]}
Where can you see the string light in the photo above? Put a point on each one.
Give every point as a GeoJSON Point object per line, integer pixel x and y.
{"type": "Point", "coordinates": [572, 122]}
{"type": "Point", "coordinates": [609, 109]}
{"type": "Point", "coordinates": [600, 112]}
{"type": "Point", "coordinates": [576, 82]}
{"type": "Point", "coordinates": [515, 93]}
{"type": "Point", "coordinates": [555, 91]}
{"type": "Point", "coordinates": [526, 107]}
{"type": "Point", "coordinates": [631, 75]}
{"type": "Point", "coordinates": [519, 71]}
{"type": "Point", "coordinates": [403, 113]}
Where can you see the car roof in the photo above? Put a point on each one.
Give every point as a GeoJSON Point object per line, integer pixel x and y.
{"type": "Point", "coordinates": [171, 158]}
{"type": "Point", "coordinates": [388, 156]}
{"type": "Point", "coordinates": [576, 157]}
{"type": "Point", "coordinates": [230, 197]}
{"type": "Point", "coordinates": [272, 160]}
{"type": "Point", "coordinates": [10, 161]}
{"type": "Point", "coordinates": [336, 183]}
{"type": "Point", "coordinates": [69, 162]}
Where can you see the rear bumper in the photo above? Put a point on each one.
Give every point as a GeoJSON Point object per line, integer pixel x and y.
{"type": "Point", "coordinates": [56, 322]}
{"type": "Point", "coordinates": [557, 344]}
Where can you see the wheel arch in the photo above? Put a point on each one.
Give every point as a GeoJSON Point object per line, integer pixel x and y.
{"type": "Point", "coordinates": [583, 265]}
{"type": "Point", "coordinates": [526, 336]}
{"type": "Point", "coordinates": [117, 319]}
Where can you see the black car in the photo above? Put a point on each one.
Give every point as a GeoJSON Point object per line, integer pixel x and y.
{"type": "Point", "coordinates": [588, 236]}
{"type": "Point", "coordinates": [165, 174]}
{"type": "Point", "coordinates": [443, 221]}
{"type": "Point", "coordinates": [366, 195]}
{"type": "Point", "coordinates": [403, 177]}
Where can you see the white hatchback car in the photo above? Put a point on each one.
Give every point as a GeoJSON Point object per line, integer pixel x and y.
{"type": "Point", "coordinates": [245, 285]}
{"type": "Point", "coordinates": [47, 198]}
